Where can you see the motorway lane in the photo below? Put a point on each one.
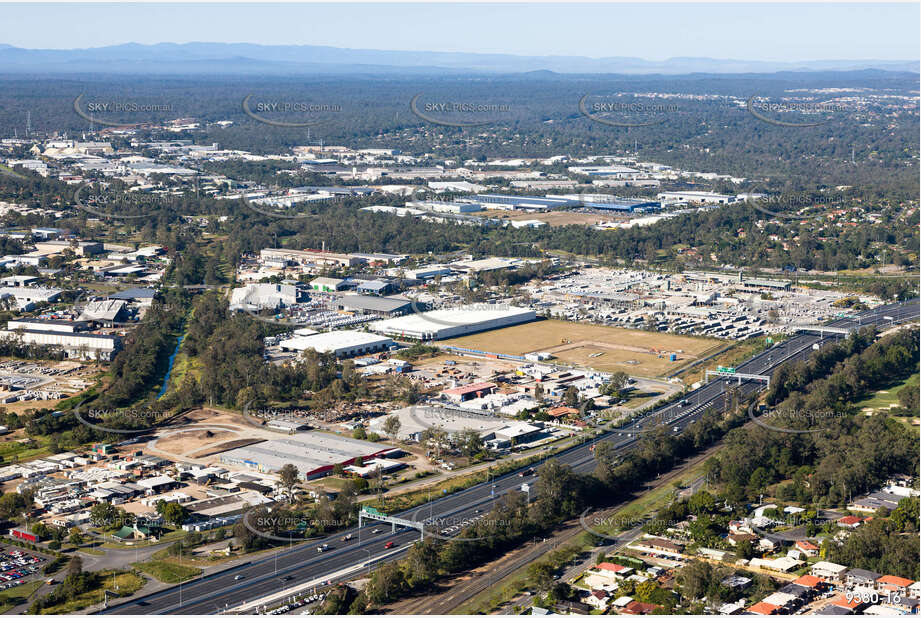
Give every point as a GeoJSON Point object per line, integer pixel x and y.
{"type": "Point", "coordinates": [302, 563]}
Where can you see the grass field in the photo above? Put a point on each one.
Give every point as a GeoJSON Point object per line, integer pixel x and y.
{"type": "Point", "coordinates": [168, 572]}
{"type": "Point", "coordinates": [11, 597]}
{"type": "Point", "coordinates": [126, 583]}
{"type": "Point", "coordinates": [605, 348]}
{"type": "Point", "coordinates": [884, 399]}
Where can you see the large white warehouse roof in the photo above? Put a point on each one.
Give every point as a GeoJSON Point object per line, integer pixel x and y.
{"type": "Point", "coordinates": [445, 323]}
{"type": "Point", "coordinates": [340, 342]}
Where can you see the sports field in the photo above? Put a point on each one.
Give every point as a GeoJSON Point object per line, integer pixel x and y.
{"type": "Point", "coordinates": [605, 348]}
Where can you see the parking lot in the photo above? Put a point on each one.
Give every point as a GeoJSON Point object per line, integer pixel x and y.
{"type": "Point", "coordinates": [16, 565]}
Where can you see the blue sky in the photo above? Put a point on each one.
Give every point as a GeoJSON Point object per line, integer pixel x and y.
{"type": "Point", "coordinates": [780, 32]}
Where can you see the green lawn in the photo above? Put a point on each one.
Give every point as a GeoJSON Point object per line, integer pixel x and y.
{"type": "Point", "coordinates": [126, 583]}
{"type": "Point", "coordinates": [11, 449]}
{"type": "Point", "coordinates": [885, 397]}
{"type": "Point", "coordinates": [168, 572]}
{"type": "Point", "coordinates": [12, 597]}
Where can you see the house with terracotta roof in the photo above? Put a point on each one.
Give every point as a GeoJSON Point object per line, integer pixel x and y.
{"type": "Point", "coordinates": [894, 584]}
{"type": "Point", "coordinates": [763, 609]}
{"type": "Point", "coordinates": [816, 584]}
{"type": "Point", "coordinates": [854, 604]}
{"type": "Point", "coordinates": [850, 521]}
{"type": "Point", "coordinates": [562, 411]}
{"type": "Point", "coordinates": [635, 608]}
{"type": "Point", "coordinates": [606, 575]}
{"type": "Point", "coordinates": [810, 549]}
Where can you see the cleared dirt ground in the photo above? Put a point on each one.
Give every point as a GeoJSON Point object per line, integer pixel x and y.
{"type": "Point", "coordinates": [604, 348]}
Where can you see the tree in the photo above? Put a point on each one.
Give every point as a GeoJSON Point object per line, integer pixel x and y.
{"type": "Point", "coordinates": [392, 426]}
{"type": "Point", "coordinates": [76, 538]}
{"type": "Point", "coordinates": [541, 574]}
{"type": "Point", "coordinates": [616, 384]}
{"type": "Point", "coordinates": [386, 583]}
{"type": "Point", "coordinates": [75, 566]}
{"type": "Point", "coordinates": [695, 579]}
{"type": "Point", "coordinates": [421, 564]}
{"type": "Point", "coordinates": [41, 530]}
{"type": "Point", "coordinates": [571, 397]}
{"type": "Point", "coordinates": [104, 515]}
{"type": "Point", "coordinates": [288, 476]}
{"type": "Point", "coordinates": [470, 442]}
{"type": "Point", "coordinates": [174, 513]}
{"type": "Point", "coordinates": [13, 505]}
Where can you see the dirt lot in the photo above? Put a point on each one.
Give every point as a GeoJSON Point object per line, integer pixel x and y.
{"type": "Point", "coordinates": [553, 218]}
{"type": "Point", "coordinates": [188, 442]}
{"type": "Point", "coordinates": [601, 347]}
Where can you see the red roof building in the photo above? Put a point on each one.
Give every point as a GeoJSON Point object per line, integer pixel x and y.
{"type": "Point", "coordinates": [610, 566]}
{"type": "Point", "coordinates": [635, 608]}
{"type": "Point", "coordinates": [470, 391]}
{"type": "Point", "coordinates": [563, 411]}
{"type": "Point", "coordinates": [810, 581]}
{"type": "Point", "coordinates": [894, 583]}
{"type": "Point", "coordinates": [764, 609]}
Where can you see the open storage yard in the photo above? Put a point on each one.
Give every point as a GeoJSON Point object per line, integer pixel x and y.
{"type": "Point", "coordinates": [604, 348]}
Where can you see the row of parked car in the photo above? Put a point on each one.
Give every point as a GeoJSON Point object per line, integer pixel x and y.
{"type": "Point", "coordinates": [284, 609]}
{"type": "Point", "coordinates": [15, 564]}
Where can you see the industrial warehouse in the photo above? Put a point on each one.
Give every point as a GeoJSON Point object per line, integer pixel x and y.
{"type": "Point", "coordinates": [446, 323]}
{"type": "Point", "coordinates": [314, 454]}
{"type": "Point", "coordinates": [342, 343]}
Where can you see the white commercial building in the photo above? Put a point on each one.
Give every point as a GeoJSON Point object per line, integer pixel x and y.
{"type": "Point", "coordinates": [694, 197]}
{"type": "Point", "coordinates": [75, 345]}
{"type": "Point", "coordinates": [461, 186]}
{"type": "Point", "coordinates": [342, 343]}
{"type": "Point", "coordinates": [26, 297]}
{"type": "Point", "coordinates": [445, 323]}
{"type": "Point", "coordinates": [257, 296]}
{"type": "Point", "coordinates": [450, 207]}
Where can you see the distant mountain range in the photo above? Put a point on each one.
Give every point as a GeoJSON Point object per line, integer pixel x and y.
{"type": "Point", "coordinates": [278, 60]}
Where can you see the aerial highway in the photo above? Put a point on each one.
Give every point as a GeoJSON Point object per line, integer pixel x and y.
{"type": "Point", "coordinates": [223, 591]}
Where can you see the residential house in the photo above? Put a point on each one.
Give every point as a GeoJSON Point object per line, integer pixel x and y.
{"type": "Point", "coordinates": [809, 549]}
{"type": "Point", "coordinates": [894, 584]}
{"type": "Point", "coordinates": [850, 521]}
{"type": "Point", "coordinates": [788, 603]}
{"type": "Point", "coordinates": [607, 575]}
{"type": "Point", "coordinates": [860, 577]}
{"type": "Point", "coordinates": [828, 571]}
{"type": "Point", "coordinates": [635, 608]}
{"type": "Point", "coordinates": [741, 537]}
{"type": "Point", "coordinates": [599, 599]}
{"type": "Point", "coordinates": [763, 609]}
{"type": "Point", "coordinates": [813, 583]}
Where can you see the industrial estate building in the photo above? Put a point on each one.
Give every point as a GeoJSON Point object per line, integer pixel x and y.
{"type": "Point", "coordinates": [342, 343]}
{"type": "Point", "coordinates": [374, 305]}
{"type": "Point", "coordinates": [65, 335]}
{"type": "Point", "coordinates": [695, 197]}
{"type": "Point", "coordinates": [257, 296]}
{"type": "Point", "coordinates": [446, 323]}
{"type": "Point", "coordinates": [313, 453]}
